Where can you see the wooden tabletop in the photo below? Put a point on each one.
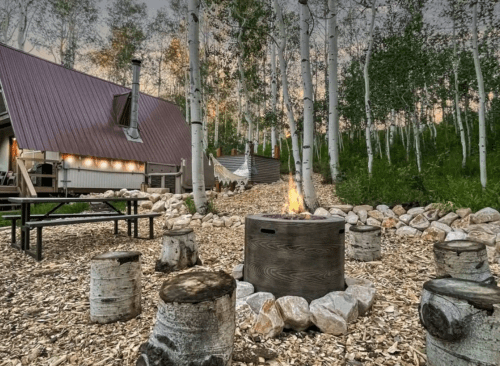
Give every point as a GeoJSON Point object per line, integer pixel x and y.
{"type": "Point", "coordinates": [69, 200]}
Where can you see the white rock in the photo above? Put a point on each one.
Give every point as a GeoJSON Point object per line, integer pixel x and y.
{"type": "Point", "coordinates": [408, 231]}
{"type": "Point", "coordinates": [406, 218]}
{"type": "Point", "coordinates": [373, 222]}
{"type": "Point", "coordinates": [146, 205]}
{"type": "Point", "coordinates": [363, 216]}
{"type": "Point", "coordinates": [415, 211]}
{"type": "Point", "coordinates": [442, 226]}
{"type": "Point", "coordinates": [353, 281]}
{"type": "Point", "coordinates": [431, 215]}
{"type": "Point", "coordinates": [155, 197]}
{"type": "Point", "coordinates": [206, 225]}
{"type": "Point", "coordinates": [343, 304]}
{"type": "Point", "coordinates": [344, 208]}
{"type": "Point", "coordinates": [197, 216]}
{"type": "Point", "coordinates": [109, 194]}
{"type": "Point", "coordinates": [122, 192]}
{"type": "Point", "coordinates": [486, 215]}
{"type": "Point", "coordinates": [295, 312]}
{"type": "Point", "coordinates": [178, 197]}
{"type": "Point", "coordinates": [338, 212]}
{"type": "Point", "coordinates": [236, 218]}
{"type": "Point", "coordinates": [463, 212]}
{"type": "Point", "coordinates": [362, 207]}
{"type": "Point", "coordinates": [434, 234]}
{"type": "Point", "coordinates": [364, 295]}
{"type": "Point", "coordinates": [399, 210]}
{"type": "Point", "coordinates": [218, 223]}
{"type": "Point", "coordinates": [195, 223]}
{"type": "Point", "coordinates": [158, 206]}
{"type": "Point", "coordinates": [462, 223]}
{"type": "Point", "coordinates": [482, 237]}
{"type": "Point", "coordinates": [320, 211]}
{"type": "Point", "coordinates": [420, 222]}
{"type": "Point", "coordinates": [238, 271]}
{"type": "Point", "coordinates": [352, 219]}
{"type": "Point", "coordinates": [325, 318]}
{"type": "Point", "coordinates": [227, 221]}
{"type": "Point", "coordinates": [390, 213]}
{"type": "Point", "coordinates": [243, 289]}
{"type": "Point", "coordinates": [258, 299]}
{"type": "Point", "coordinates": [377, 215]}
{"type": "Point", "coordinates": [245, 317]}
{"type": "Point", "coordinates": [487, 228]}
{"type": "Point", "coordinates": [455, 235]}
{"type": "Point", "coordinates": [382, 208]}
{"type": "Point", "coordinates": [207, 217]}
{"type": "Point", "coordinates": [269, 322]}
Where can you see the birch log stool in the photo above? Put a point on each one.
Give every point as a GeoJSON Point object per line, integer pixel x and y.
{"type": "Point", "coordinates": [179, 251]}
{"type": "Point", "coordinates": [463, 259]}
{"type": "Point", "coordinates": [462, 319]}
{"type": "Point", "coordinates": [115, 287]}
{"type": "Point", "coordinates": [365, 243]}
{"type": "Point", "coordinates": [195, 323]}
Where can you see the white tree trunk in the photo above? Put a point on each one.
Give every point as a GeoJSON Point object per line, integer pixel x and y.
{"type": "Point", "coordinates": [457, 104]}
{"type": "Point", "coordinates": [22, 27]}
{"type": "Point", "coordinates": [195, 322]}
{"type": "Point", "coordinates": [179, 251]}
{"type": "Point", "coordinates": [186, 80]}
{"type": "Point", "coordinates": [482, 100]}
{"type": "Point", "coordinates": [200, 198]}
{"type": "Point", "coordinates": [416, 133]}
{"type": "Point", "coordinates": [307, 149]}
{"type": "Point", "coordinates": [216, 137]}
{"type": "Point", "coordinates": [274, 93]}
{"type": "Point", "coordinates": [388, 134]}
{"type": "Point", "coordinates": [365, 243]}
{"type": "Point", "coordinates": [238, 128]}
{"type": "Point", "coordinates": [367, 91]}
{"type": "Point", "coordinates": [115, 287]}
{"type": "Point", "coordinates": [286, 98]}
{"type": "Point", "coordinates": [333, 117]}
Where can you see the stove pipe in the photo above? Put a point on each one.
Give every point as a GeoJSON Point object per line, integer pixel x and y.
{"type": "Point", "coordinates": [134, 115]}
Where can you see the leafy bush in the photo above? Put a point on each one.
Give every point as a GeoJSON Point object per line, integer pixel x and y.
{"type": "Point", "coordinates": [192, 208]}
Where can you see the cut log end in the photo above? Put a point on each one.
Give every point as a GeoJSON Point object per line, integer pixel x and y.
{"type": "Point", "coordinates": [459, 246]}
{"type": "Point", "coordinates": [121, 257]}
{"type": "Point", "coordinates": [179, 232]}
{"type": "Point", "coordinates": [364, 228]}
{"type": "Point", "coordinates": [196, 287]}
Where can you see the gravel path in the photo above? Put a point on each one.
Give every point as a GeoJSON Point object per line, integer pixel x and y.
{"type": "Point", "coordinates": [44, 306]}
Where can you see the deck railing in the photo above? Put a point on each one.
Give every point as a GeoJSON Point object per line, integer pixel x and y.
{"type": "Point", "coordinates": [25, 184]}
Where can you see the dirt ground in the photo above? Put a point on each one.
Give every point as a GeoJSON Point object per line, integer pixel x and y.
{"type": "Point", "coordinates": [44, 306]}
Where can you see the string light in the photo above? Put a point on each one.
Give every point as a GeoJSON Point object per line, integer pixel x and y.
{"type": "Point", "coordinates": [103, 164]}
{"type": "Point", "coordinates": [88, 162]}
{"type": "Point", "coordinates": [131, 166]}
{"type": "Point", "coordinates": [117, 165]}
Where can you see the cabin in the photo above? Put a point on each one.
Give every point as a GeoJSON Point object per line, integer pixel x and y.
{"type": "Point", "coordinates": [66, 132]}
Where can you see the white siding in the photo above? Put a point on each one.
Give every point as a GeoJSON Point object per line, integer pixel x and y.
{"type": "Point", "coordinates": [95, 179]}
{"type": "Point", "coordinates": [5, 133]}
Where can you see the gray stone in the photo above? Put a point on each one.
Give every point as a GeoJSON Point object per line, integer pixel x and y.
{"type": "Point", "coordinates": [482, 237]}
{"type": "Point", "coordinates": [320, 211]}
{"type": "Point", "coordinates": [258, 299]}
{"type": "Point", "coordinates": [155, 197]}
{"type": "Point", "coordinates": [325, 318]}
{"type": "Point", "coordinates": [442, 226]}
{"type": "Point", "coordinates": [158, 190]}
{"type": "Point", "coordinates": [408, 231]}
{"type": "Point", "coordinates": [269, 323]}
{"type": "Point", "coordinates": [206, 225]}
{"type": "Point", "coordinates": [463, 212]}
{"type": "Point", "coordinates": [218, 223]}
{"type": "Point", "coordinates": [455, 235]}
{"type": "Point", "coordinates": [462, 223]}
{"type": "Point", "coordinates": [159, 206]}
{"type": "Point", "coordinates": [399, 210]}
{"type": "Point", "coordinates": [377, 215]}
{"type": "Point", "coordinates": [352, 219]}
{"type": "Point", "coordinates": [146, 205]}
{"type": "Point", "coordinates": [431, 215]}
{"type": "Point", "coordinates": [364, 295]}
{"type": "Point", "coordinates": [434, 234]}
{"type": "Point", "coordinates": [344, 208]}
{"type": "Point", "coordinates": [389, 213]}
{"type": "Point", "coordinates": [363, 215]}
{"type": "Point", "coordinates": [420, 222]}
{"type": "Point", "coordinates": [486, 215]}
{"type": "Point", "coordinates": [382, 208]}
{"type": "Point", "coordinates": [195, 223]}
{"type": "Point", "coordinates": [449, 218]}
{"type": "Point", "coordinates": [406, 218]}
{"type": "Point", "coordinates": [243, 289]}
{"type": "Point", "coordinates": [487, 228]}
{"type": "Point", "coordinates": [352, 281]}
{"type": "Point", "coordinates": [373, 222]}
{"type": "Point", "coordinates": [228, 222]}
{"type": "Point", "coordinates": [238, 271]}
{"type": "Point", "coordinates": [182, 222]}
{"type": "Point", "coordinates": [415, 211]}
{"type": "Point", "coordinates": [362, 207]}
{"type": "Point", "coordinates": [207, 217]}
{"type": "Point", "coordinates": [197, 216]}
{"type": "Point", "coordinates": [121, 192]}
{"type": "Point", "coordinates": [338, 212]}
{"type": "Point", "coordinates": [431, 206]}
{"type": "Point", "coordinates": [343, 304]}
{"type": "Point", "coordinates": [295, 312]}
{"type": "Point", "coordinates": [400, 224]}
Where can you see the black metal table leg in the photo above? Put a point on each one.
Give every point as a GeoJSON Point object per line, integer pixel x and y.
{"type": "Point", "coordinates": [27, 231]}
{"type": "Point", "coordinates": [39, 243]}
{"type": "Point", "coordinates": [23, 222]}
{"type": "Point", "coordinates": [136, 221]}
{"type": "Point", "coordinates": [116, 227]}
{"type": "Point", "coordinates": [129, 222]}
{"type": "Point", "coordinates": [151, 228]}
{"type": "Point", "coordinates": [13, 233]}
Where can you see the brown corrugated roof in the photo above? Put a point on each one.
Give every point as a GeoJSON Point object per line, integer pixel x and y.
{"type": "Point", "coordinates": [56, 109]}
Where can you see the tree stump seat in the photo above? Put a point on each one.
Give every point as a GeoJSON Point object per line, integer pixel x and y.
{"type": "Point", "coordinates": [366, 243]}
{"type": "Point", "coordinates": [179, 251]}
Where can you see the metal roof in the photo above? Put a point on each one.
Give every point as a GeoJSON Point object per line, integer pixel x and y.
{"type": "Point", "coordinates": [57, 109]}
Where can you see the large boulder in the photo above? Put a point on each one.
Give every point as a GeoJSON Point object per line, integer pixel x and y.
{"type": "Point", "coordinates": [377, 215]}
{"type": "Point", "coordinates": [449, 218]}
{"type": "Point", "coordinates": [258, 299]}
{"type": "Point", "coordinates": [434, 234]}
{"type": "Point", "coordinates": [482, 237]}
{"type": "Point", "coordinates": [343, 304]}
{"type": "Point", "coordinates": [399, 210]}
{"type": "Point", "coordinates": [243, 289]}
{"type": "Point", "coordinates": [365, 296]}
{"type": "Point", "coordinates": [487, 214]}
{"type": "Point", "coordinates": [408, 231]}
{"type": "Point", "coordinates": [295, 312]}
{"type": "Point", "coordinates": [326, 318]}
{"type": "Point", "coordinates": [352, 219]}
{"type": "Point", "coordinates": [420, 222]}
{"type": "Point", "coordinates": [269, 323]}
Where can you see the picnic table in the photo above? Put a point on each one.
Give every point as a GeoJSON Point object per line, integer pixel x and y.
{"type": "Point", "coordinates": [51, 218]}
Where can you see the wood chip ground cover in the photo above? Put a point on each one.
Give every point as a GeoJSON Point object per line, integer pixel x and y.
{"type": "Point", "coordinates": [44, 306]}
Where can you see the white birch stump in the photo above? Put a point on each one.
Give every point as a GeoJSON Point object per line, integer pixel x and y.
{"type": "Point", "coordinates": [179, 251]}
{"type": "Point", "coordinates": [463, 259]}
{"type": "Point", "coordinates": [365, 243]}
{"type": "Point", "coordinates": [462, 319]}
{"type": "Point", "coordinates": [195, 323]}
{"type": "Point", "coordinates": [115, 287]}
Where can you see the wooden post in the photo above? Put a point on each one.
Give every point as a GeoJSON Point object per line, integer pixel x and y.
{"type": "Point", "coordinates": [179, 251]}
{"type": "Point", "coordinates": [462, 319]}
{"type": "Point", "coordinates": [462, 259]}
{"type": "Point", "coordinates": [219, 152]}
{"type": "Point", "coordinates": [195, 323]}
{"type": "Point", "coordinates": [365, 243]}
{"type": "Point", "coordinates": [234, 152]}
{"type": "Point", "coordinates": [115, 287]}
{"type": "Point", "coordinates": [218, 186]}
{"type": "Point", "coordinates": [277, 152]}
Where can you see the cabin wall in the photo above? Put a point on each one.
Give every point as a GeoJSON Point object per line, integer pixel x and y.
{"type": "Point", "coordinates": [5, 133]}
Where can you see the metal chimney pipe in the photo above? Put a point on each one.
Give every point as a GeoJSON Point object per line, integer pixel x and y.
{"type": "Point", "coordinates": [134, 115]}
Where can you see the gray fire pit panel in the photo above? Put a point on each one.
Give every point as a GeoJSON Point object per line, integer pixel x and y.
{"type": "Point", "coordinates": [294, 257]}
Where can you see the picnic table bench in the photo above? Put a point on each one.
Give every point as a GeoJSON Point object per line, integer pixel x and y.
{"type": "Point", "coordinates": [30, 222]}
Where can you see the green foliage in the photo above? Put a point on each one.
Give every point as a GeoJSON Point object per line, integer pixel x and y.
{"type": "Point", "coordinates": [192, 208]}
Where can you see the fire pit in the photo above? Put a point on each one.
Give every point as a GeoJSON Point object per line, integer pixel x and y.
{"type": "Point", "coordinates": [294, 255]}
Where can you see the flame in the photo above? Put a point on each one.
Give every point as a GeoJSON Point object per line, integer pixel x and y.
{"type": "Point", "coordinates": [295, 203]}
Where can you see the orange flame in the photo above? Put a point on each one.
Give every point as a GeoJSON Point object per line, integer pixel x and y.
{"type": "Point", "coordinates": [295, 203]}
